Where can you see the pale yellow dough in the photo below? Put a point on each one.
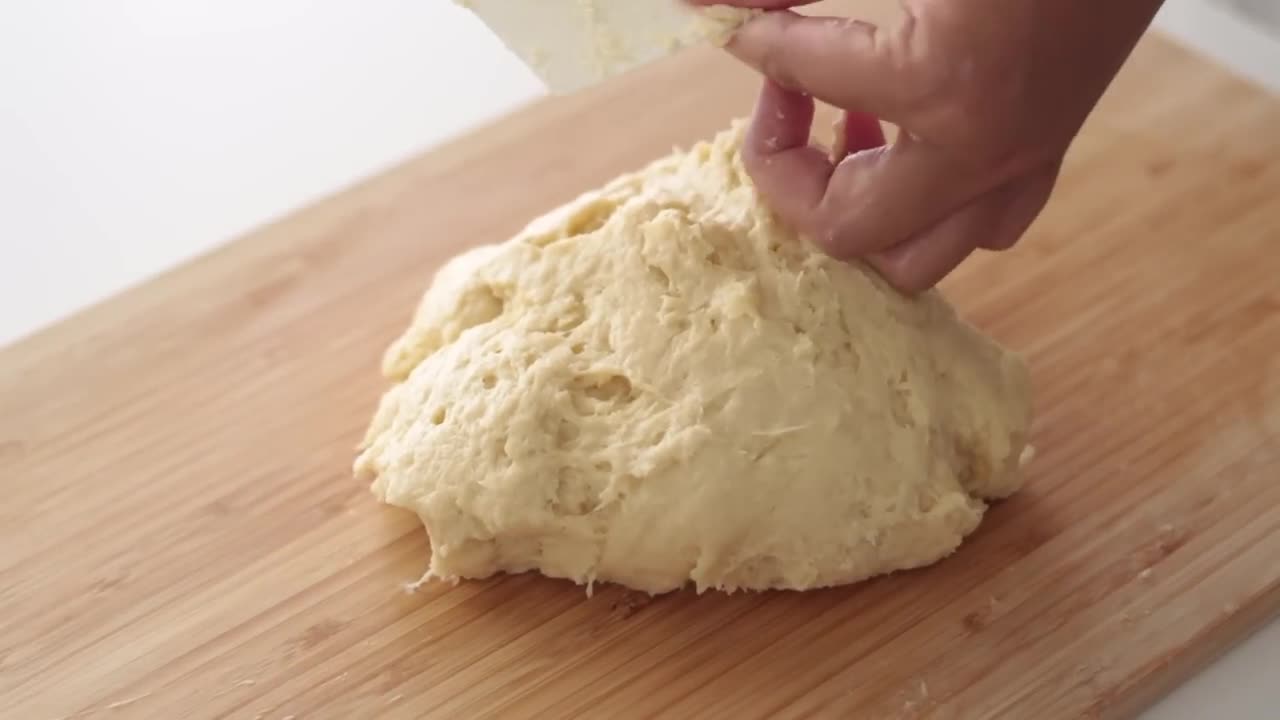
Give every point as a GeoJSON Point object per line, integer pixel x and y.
{"type": "Point", "coordinates": [660, 384]}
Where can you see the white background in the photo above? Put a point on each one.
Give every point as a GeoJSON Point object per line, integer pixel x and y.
{"type": "Point", "coordinates": [135, 134]}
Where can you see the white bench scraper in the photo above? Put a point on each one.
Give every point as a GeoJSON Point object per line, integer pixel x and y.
{"type": "Point", "coordinates": [571, 44]}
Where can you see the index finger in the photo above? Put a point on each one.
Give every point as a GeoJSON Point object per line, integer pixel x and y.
{"type": "Point", "coordinates": [844, 62]}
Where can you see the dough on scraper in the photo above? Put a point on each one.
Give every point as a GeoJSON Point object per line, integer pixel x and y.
{"type": "Point", "coordinates": [659, 383]}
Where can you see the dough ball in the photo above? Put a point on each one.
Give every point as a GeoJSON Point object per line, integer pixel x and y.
{"type": "Point", "coordinates": [660, 384]}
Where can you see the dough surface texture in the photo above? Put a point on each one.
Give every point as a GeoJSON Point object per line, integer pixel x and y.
{"type": "Point", "coordinates": [659, 384]}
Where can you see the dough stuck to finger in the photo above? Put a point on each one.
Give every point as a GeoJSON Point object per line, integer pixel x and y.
{"type": "Point", "coordinates": [659, 384]}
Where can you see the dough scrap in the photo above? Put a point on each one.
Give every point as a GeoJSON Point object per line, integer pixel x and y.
{"type": "Point", "coordinates": [718, 23]}
{"type": "Point", "coordinates": [659, 383]}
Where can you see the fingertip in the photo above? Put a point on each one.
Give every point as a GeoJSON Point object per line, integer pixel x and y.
{"type": "Point", "coordinates": [858, 131]}
{"type": "Point", "coordinates": [1023, 202]}
{"type": "Point", "coordinates": [917, 265]}
{"type": "Point", "coordinates": [1000, 242]}
{"type": "Point", "coordinates": [904, 278]}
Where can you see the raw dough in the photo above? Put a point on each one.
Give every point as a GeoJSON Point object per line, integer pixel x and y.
{"type": "Point", "coordinates": [571, 44]}
{"type": "Point", "coordinates": [658, 383]}
{"type": "Point", "coordinates": [718, 23]}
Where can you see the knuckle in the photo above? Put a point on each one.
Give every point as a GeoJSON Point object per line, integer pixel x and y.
{"type": "Point", "coordinates": [777, 59]}
{"type": "Point", "coordinates": [775, 66]}
{"type": "Point", "coordinates": [971, 98]}
{"type": "Point", "coordinates": [903, 276]}
{"type": "Point", "coordinates": [832, 238]}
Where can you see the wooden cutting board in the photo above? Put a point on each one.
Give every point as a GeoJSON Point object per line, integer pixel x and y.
{"type": "Point", "coordinates": [180, 535]}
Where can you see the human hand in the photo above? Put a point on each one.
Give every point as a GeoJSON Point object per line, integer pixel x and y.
{"type": "Point", "coordinates": [988, 95]}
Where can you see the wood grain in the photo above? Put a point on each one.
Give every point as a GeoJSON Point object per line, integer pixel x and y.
{"type": "Point", "coordinates": [180, 535]}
